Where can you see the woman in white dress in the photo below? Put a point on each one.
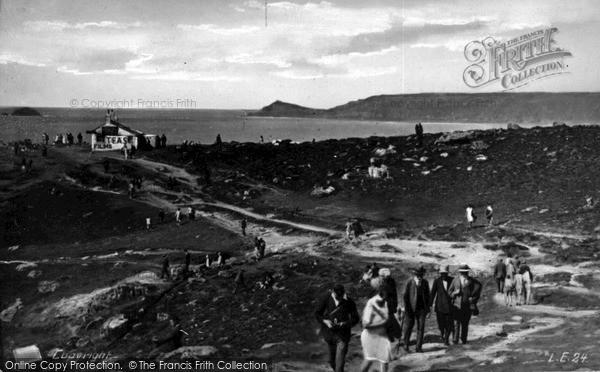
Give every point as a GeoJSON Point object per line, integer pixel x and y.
{"type": "Point", "coordinates": [375, 342]}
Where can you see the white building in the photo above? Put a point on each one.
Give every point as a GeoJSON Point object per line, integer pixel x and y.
{"type": "Point", "coordinates": [113, 136]}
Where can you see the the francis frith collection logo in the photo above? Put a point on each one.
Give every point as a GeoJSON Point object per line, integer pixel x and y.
{"type": "Point", "coordinates": [516, 62]}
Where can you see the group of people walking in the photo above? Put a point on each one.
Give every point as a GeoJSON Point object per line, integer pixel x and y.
{"type": "Point", "coordinates": [514, 279]}
{"type": "Point", "coordinates": [387, 316]}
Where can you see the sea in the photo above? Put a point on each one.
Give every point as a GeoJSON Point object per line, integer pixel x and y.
{"type": "Point", "coordinates": [202, 126]}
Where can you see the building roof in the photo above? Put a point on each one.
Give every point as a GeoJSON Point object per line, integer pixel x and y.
{"type": "Point", "coordinates": [118, 125]}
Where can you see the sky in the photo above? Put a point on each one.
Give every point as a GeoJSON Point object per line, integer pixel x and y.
{"type": "Point", "coordinates": [221, 54]}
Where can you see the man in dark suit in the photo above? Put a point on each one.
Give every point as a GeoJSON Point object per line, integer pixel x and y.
{"type": "Point", "coordinates": [415, 306]}
{"type": "Point", "coordinates": [337, 314]}
{"type": "Point", "coordinates": [465, 292]}
{"type": "Point", "coordinates": [442, 302]}
{"type": "Point", "coordinates": [500, 275]}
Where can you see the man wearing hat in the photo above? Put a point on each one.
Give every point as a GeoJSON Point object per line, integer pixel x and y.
{"type": "Point", "coordinates": [465, 292]}
{"type": "Point", "coordinates": [415, 306]}
{"type": "Point", "coordinates": [443, 303]}
{"type": "Point", "coordinates": [337, 314]}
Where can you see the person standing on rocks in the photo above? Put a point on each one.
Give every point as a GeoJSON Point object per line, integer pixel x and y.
{"type": "Point", "coordinates": [441, 302]}
{"type": "Point", "coordinates": [178, 216]}
{"type": "Point", "coordinates": [500, 275]}
{"type": "Point", "coordinates": [165, 267]}
{"type": "Point", "coordinates": [238, 281]}
{"type": "Point", "coordinates": [419, 132]}
{"type": "Point", "coordinates": [471, 216]}
{"type": "Point", "coordinates": [173, 339]}
{"type": "Point", "coordinates": [465, 292]}
{"type": "Point", "coordinates": [262, 246]}
{"type": "Point", "coordinates": [244, 224]}
{"type": "Point", "coordinates": [489, 215]}
{"type": "Point", "coordinates": [186, 262]}
{"type": "Point", "coordinates": [337, 314]}
{"type": "Point", "coordinates": [414, 304]}
{"type": "Point", "coordinates": [163, 140]}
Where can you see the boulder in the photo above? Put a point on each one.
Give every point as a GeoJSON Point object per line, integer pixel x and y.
{"type": "Point", "coordinates": [321, 192]}
{"type": "Point", "coordinates": [114, 327]}
{"type": "Point", "coordinates": [456, 137]}
{"type": "Point", "coordinates": [26, 265]}
{"type": "Point", "coordinates": [512, 126]}
{"type": "Point", "coordinates": [559, 124]}
{"type": "Point", "coordinates": [7, 314]}
{"type": "Point", "coordinates": [191, 352]}
{"type": "Point", "coordinates": [47, 286]}
{"type": "Point", "coordinates": [34, 274]}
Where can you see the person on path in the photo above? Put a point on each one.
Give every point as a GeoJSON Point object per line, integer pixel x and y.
{"type": "Point", "coordinates": [527, 281]}
{"type": "Point", "coordinates": [148, 221]}
{"type": "Point", "coordinates": [500, 275]}
{"type": "Point", "coordinates": [336, 313]}
{"type": "Point", "coordinates": [441, 302]}
{"type": "Point", "coordinates": [349, 229]}
{"type": "Point", "coordinates": [519, 287]}
{"type": "Point", "coordinates": [207, 261]}
{"type": "Point", "coordinates": [220, 260]}
{"type": "Point", "coordinates": [465, 292]}
{"type": "Point", "coordinates": [489, 215]}
{"type": "Point", "coordinates": [509, 282]}
{"type": "Point", "coordinates": [165, 267]}
{"type": "Point", "coordinates": [414, 304]}
{"type": "Point", "coordinates": [374, 339]}
{"type": "Point", "coordinates": [244, 224]}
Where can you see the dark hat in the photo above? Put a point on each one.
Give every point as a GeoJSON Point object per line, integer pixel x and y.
{"type": "Point", "coordinates": [464, 268]}
{"type": "Point", "coordinates": [339, 289]}
{"type": "Point", "coordinates": [419, 271]}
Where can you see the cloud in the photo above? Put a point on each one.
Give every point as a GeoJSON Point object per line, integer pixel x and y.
{"type": "Point", "coordinates": [59, 25]}
{"type": "Point", "coordinates": [219, 30]}
{"type": "Point", "coordinates": [97, 61]}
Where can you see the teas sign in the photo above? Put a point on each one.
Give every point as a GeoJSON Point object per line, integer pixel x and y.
{"type": "Point", "coordinates": [516, 62]}
{"type": "Point", "coordinates": [112, 143]}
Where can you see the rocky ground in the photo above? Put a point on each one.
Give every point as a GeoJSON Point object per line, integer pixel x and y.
{"type": "Point", "coordinates": [80, 270]}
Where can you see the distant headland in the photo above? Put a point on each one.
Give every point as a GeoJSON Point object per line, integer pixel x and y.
{"type": "Point", "coordinates": [536, 107]}
{"type": "Point", "coordinates": [23, 111]}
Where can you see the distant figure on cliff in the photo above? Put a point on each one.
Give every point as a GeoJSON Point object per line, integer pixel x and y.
{"type": "Point", "coordinates": [419, 131]}
{"type": "Point", "coordinates": [163, 140]}
{"type": "Point", "coordinates": [218, 140]}
{"type": "Point", "coordinates": [45, 138]}
{"type": "Point", "coordinates": [244, 224]}
{"type": "Point", "coordinates": [79, 139]}
{"type": "Point", "coordinates": [489, 215]}
{"type": "Point", "coordinates": [262, 139]}
{"type": "Point", "coordinates": [165, 267]}
{"type": "Point", "coordinates": [471, 216]}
